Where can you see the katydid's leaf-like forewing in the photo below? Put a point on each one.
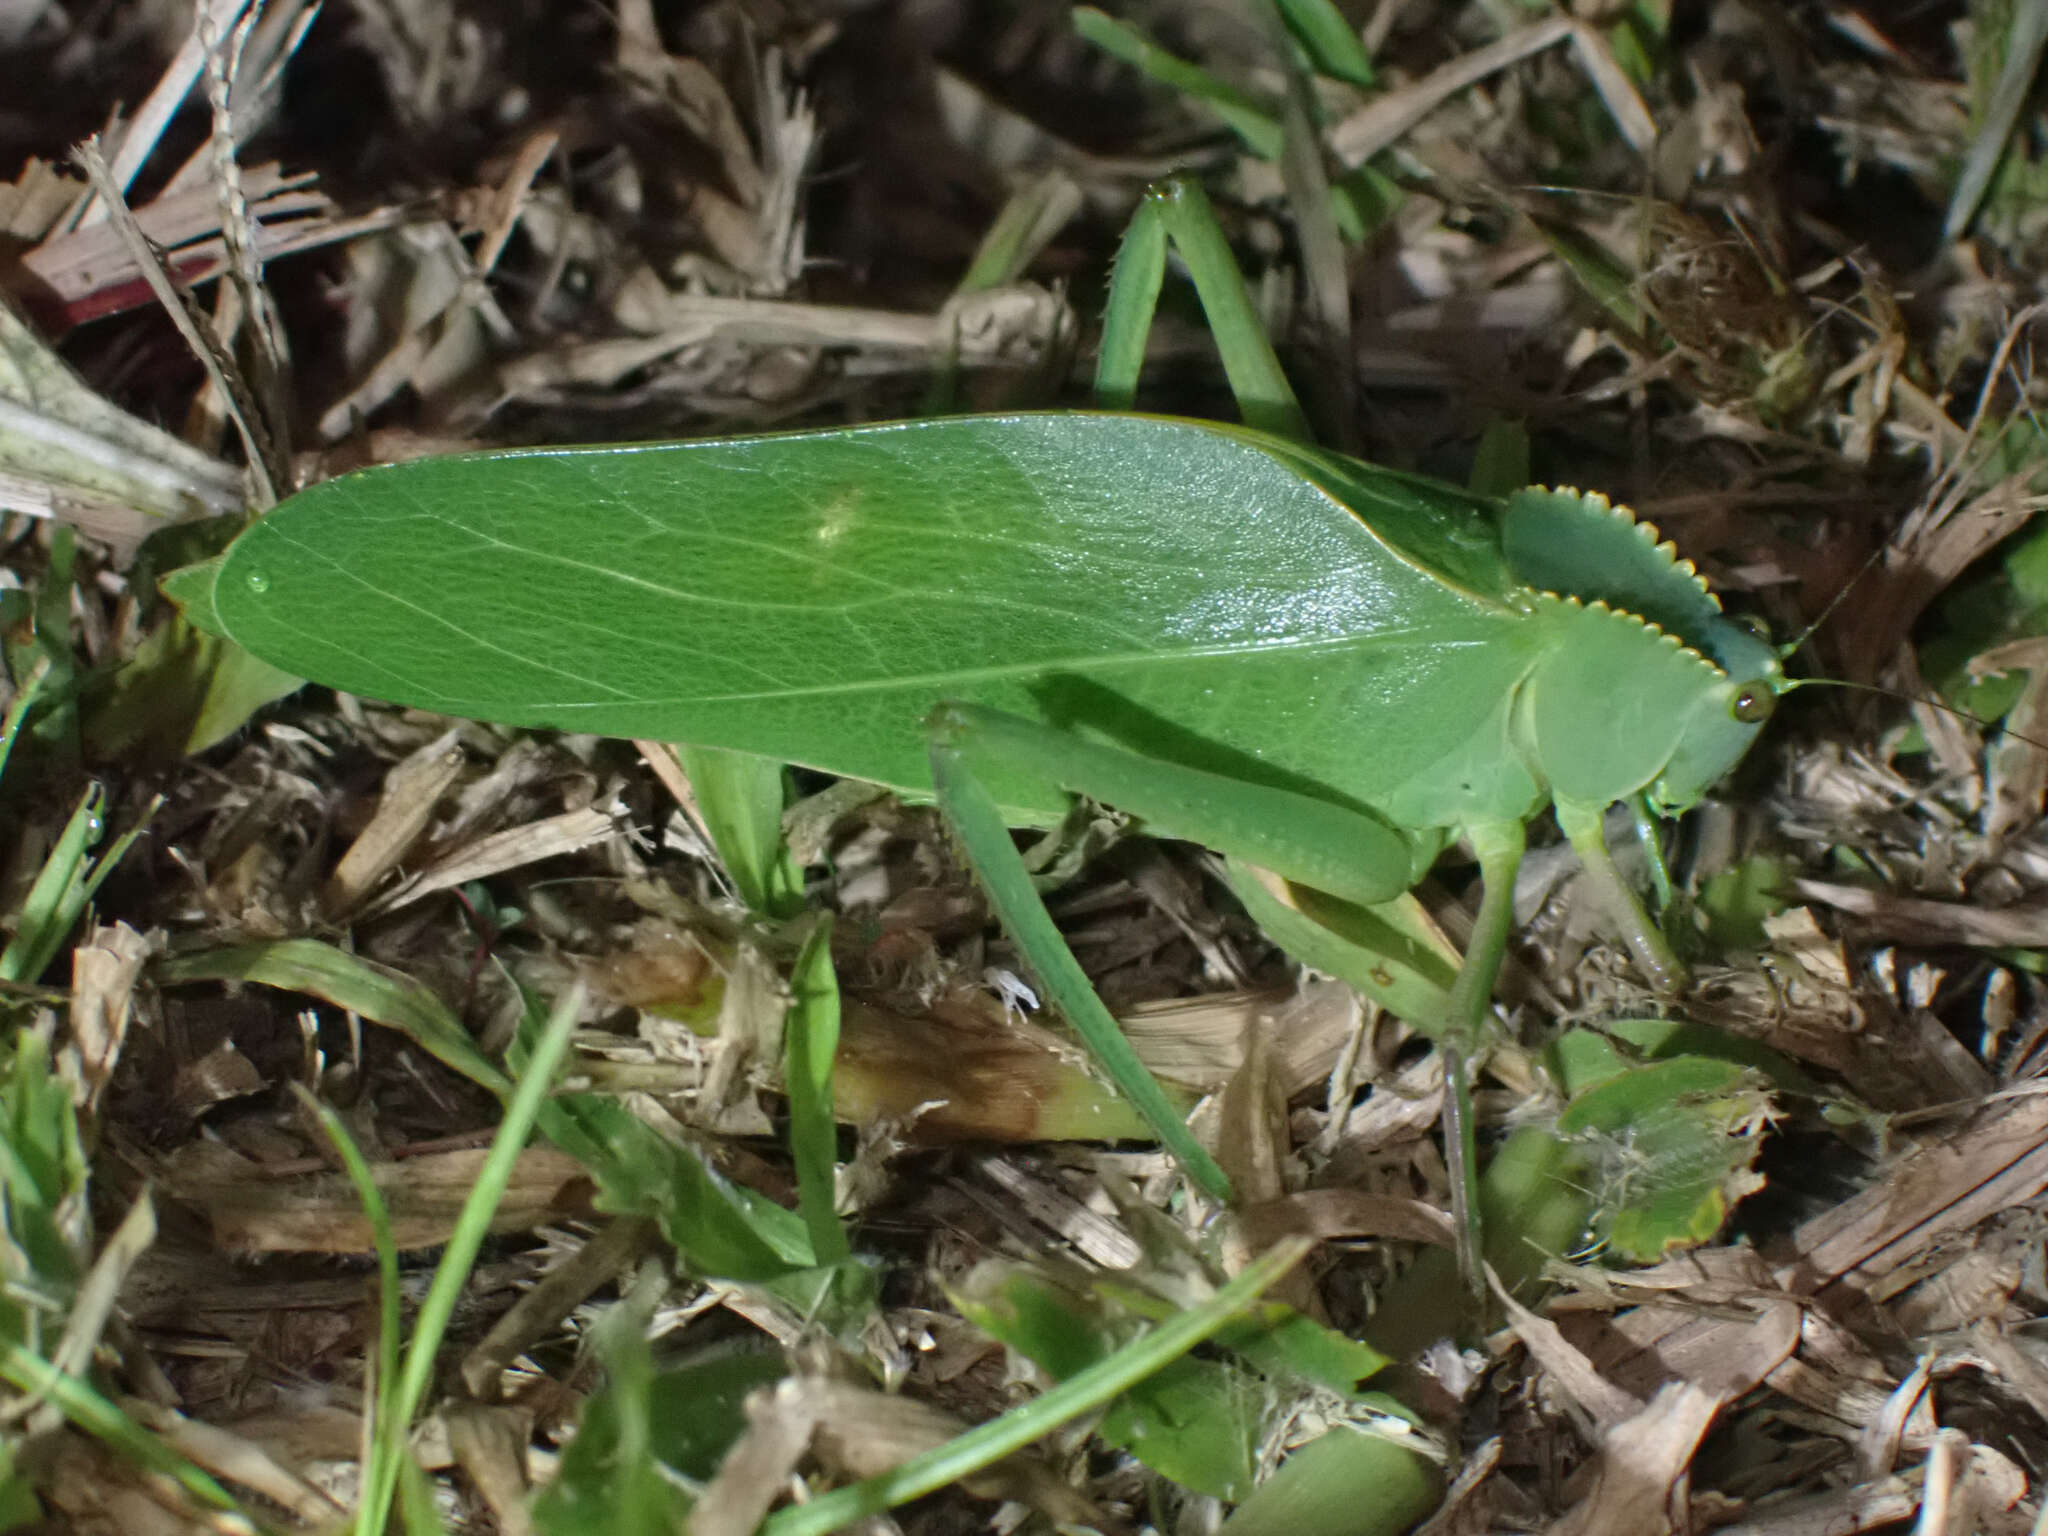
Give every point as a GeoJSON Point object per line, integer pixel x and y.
{"type": "Point", "coordinates": [1178, 589]}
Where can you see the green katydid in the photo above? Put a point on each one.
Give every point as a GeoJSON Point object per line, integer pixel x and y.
{"type": "Point", "coordinates": [1319, 667]}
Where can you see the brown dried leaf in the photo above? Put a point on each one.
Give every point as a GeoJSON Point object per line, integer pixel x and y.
{"type": "Point", "coordinates": [104, 970]}
{"type": "Point", "coordinates": [319, 1213]}
{"type": "Point", "coordinates": [512, 848]}
{"type": "Point", "coordinates": [1915, 920]}
{"type": "Point", "coordinates": [412, 791]}
{"type": "Point", "coordinates": [1348, 1215]}
{"type": "Point", "coordinates": [1640, 1489]}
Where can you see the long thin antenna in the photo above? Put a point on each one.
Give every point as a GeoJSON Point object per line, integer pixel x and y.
{"type": "Point", "coordinates": [1982, 724]}
{"type": "Point", "coordinates": [1946, 493]}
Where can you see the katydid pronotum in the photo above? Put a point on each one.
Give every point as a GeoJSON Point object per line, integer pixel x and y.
{"type": "Point", "coordinates": [1315, 666]}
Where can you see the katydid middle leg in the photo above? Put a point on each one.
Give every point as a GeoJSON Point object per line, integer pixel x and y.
{"type": "Point", "coordinates": [1499, 846]}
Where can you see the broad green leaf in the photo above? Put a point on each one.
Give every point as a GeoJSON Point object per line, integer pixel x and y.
{"type": "Point", "coordinates": [721, 1230]}
{"type": "Point", "coordinates": [1669, 1147]}
{"type": "Point", "coordinates": [183, 690]}
{"type": "Point", "coordinates": [645, 1430]}
{"type": "Point", "coordinates": [192, 590]}
{"type": "Point", "coordinates": [1737, 900]}
{"type": "Point", "coordinates": [1585, 1057]}
{"type": "Point", "coordinates": [1536, 1207]}
{"type": "Point", "coordinates": [1346, 1482]}
{"type": "Point", "coordinates": [1198, 1422]}
{"type": "Point", "coordinates": [1087, 1390]}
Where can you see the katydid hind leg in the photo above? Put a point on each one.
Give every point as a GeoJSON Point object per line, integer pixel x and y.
{"type": "Point", "coordinates": [1313, 842]}
{"type": "Point", "coordinates": [1179, 212]}
{"type": "Point", "coordinates": [984, 837]}
{"type": "Point", "coordinates": [1133, 297]}
{"type": "Point", "coordinates": [1582, 826]}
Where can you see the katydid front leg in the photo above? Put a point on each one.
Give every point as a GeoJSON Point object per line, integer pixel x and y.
{"type": "Point", "coordinates": [1582, 828]}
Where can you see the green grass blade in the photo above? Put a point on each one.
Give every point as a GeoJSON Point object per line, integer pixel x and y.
{"type": "Point", "coordinates": [1610, 283]}
{"type": "Point", "coordinates": [78, 1401]}
{"type": "Point", "coordinates": [1501, 464]}
{"type": "Point", "coordinates": [1332, 44]}
{"type": "Point", "coordinates": [38, 931]}
{"type": "Point", "coordinates": [1245, 114]}
{"type": "Point", "coordinates": [418, 1512]}
{"type": "Point", "coordinates": [377, 992]}
{"type": "Point", "coordinates": [1079, 1394]}
{"type": "Point", "coordinates": [63, 887]}
{"type": "Point", "coordinates": [810, 1040]}
{"type": "Point", "coordinates": [58, 728]}
{"type": "Point", "coordinates": [740, 797]}
{"type": "Point", "coordinates": [416, 1372]}
{"type": "Point", "coordinates": [390, 1325]}
{"type": "Point", "coordinates": [44, 1180]}
{"type": "Point", "coordinates": [1039, 208]}
{"type": "Point", "coordinates": [979, 824]}
{"type": "Point", "coordinates": [2026, 35]}
{"type": "Point", "coordinates": [17, 710]}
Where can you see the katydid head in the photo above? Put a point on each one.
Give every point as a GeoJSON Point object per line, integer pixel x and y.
{"type": "Point", "coordinates": [1724, 720]}
{"type": "Point", "coordinates": [1691, 723]}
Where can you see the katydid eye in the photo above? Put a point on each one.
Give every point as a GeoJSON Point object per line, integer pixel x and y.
{"type": "Point", "coordinates": [1753, 703]}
